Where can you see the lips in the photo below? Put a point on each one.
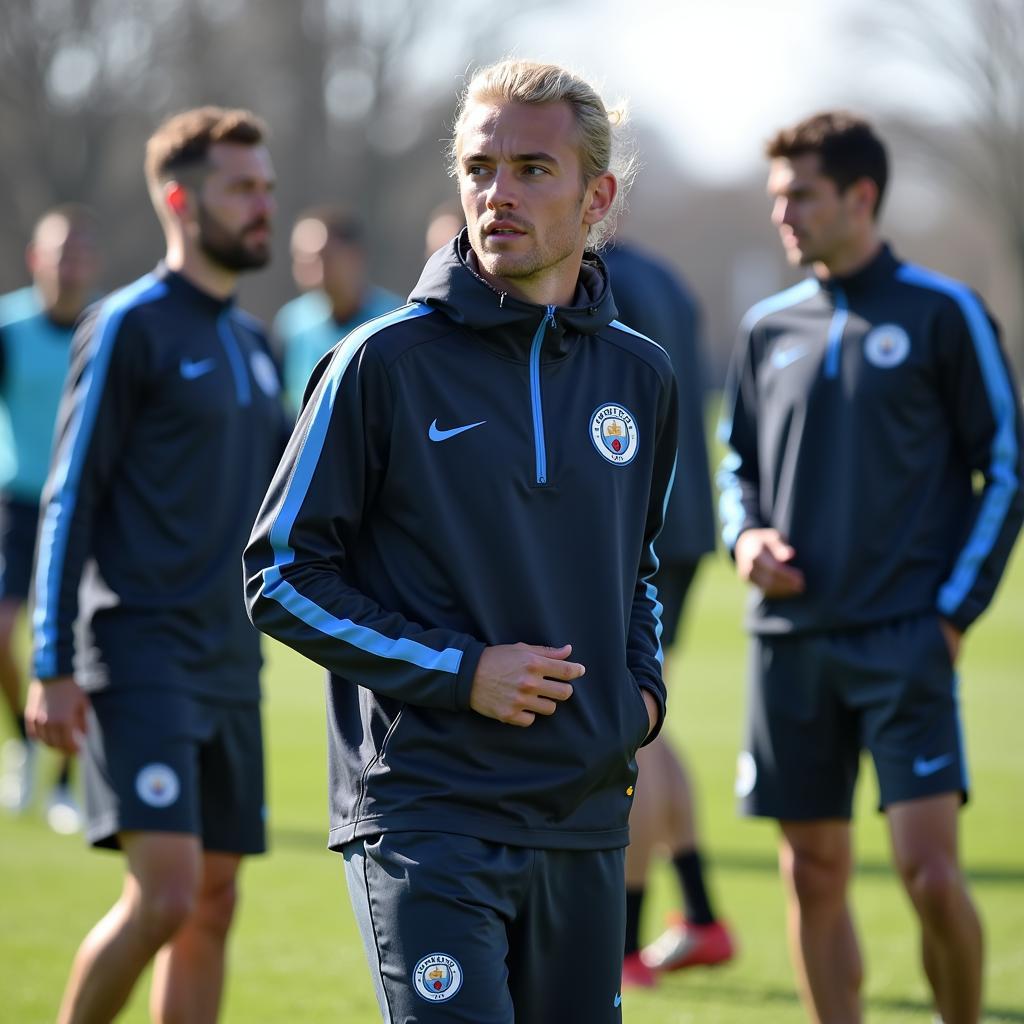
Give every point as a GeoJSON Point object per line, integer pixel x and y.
{"type": "Point", "coordinates": [503, 229]}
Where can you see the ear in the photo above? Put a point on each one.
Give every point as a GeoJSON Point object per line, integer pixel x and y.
{"type": "Point", "coordinates": [176, 197]}
{"type": "Point", "coordinates": [600, 196]}
{"type": "Point", "coordinates": [30, 258]}
{"type": "Point", "coordinates": [863, 197]}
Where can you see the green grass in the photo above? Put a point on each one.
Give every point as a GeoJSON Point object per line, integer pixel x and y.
{"type": "Point", "coordinates": [295, 955]}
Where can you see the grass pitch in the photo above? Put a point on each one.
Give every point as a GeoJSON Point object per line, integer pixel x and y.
{"type": "Point", "coordinates": [295, 955]}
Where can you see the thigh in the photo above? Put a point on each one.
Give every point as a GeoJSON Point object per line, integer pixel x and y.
{"type": "Point", "coordinates": [910, 713]}
{"type": "Point", "coordinates": [231, 790]}
{"type": "Point", "coordinates": [433, 910]}
{"type": "Point", "coordinates": [140, 765]}
{"type": "Point", "coordinates": [565, 957]}
{"type": "Point", "coordinates": [802, 742]}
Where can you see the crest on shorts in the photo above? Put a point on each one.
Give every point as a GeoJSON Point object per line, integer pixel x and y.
{"type": "Point", "coordinates": [157, 785]}
{"type": "Point", "coordinates": [437, 977]}
{"type": "Point", "coordinates": [613, 431]}
{"type": "Point", "coordinates": [886, 345]}
{"type": "Point", "coordinates": [746, 774]}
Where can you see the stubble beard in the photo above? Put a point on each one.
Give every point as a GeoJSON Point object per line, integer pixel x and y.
{"type": "Point", "coordinates": [229, 250]}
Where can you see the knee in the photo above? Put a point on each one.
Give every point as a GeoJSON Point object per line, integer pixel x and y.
{"type": "Point", "coordinates": [217, 904]}
{"type": "Point", "coordinates": [815, 878]}
{"type": "Point", "coordinates": [162, 909]}
{"type": "Point", "coordinates": [934, 885]}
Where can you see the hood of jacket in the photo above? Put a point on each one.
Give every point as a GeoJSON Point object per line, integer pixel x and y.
{"type": "Point", "coordinates": [452, 284]}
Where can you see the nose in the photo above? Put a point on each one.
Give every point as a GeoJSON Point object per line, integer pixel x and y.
{"type": "Point", "coordinates": [780, 212]}
{"type": "Point", "coordinates": [502, 193]}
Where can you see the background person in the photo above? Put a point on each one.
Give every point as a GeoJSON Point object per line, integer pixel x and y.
{"type": "Point", "coordinates": [170, 427]}
{"type": "Point", "coordinates": [652, 299]}
{"type": "Point", "coordinates": [36, 325]}
{"type": "Point", "coordinates": [861, 404]}
{"type": "Point", "coordinates": [329, 267]}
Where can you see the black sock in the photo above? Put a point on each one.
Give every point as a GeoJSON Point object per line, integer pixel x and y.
{"type": "Point", "coordinates": [22, 730]}
{"type": "Point", "coordinates": [634, 901]}
{"type": "Point", "coordinates": [691, 878]}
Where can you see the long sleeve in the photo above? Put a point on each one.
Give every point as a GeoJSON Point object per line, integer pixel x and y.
{"type": "Point", "coordinates": [984, 405]}
{"type": "Point", "coordinates": [738, 475]}
{"type": "Point", "coordinates": [643, 644]}
{"type": "Point", "coordinates": [297, 567]}
{"type": "Point", "coordinates": [104, 386]}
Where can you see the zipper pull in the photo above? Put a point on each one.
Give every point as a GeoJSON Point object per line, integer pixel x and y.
{"type": "Point", "coordinates": [501, 300]}
{"type": "Point", "coordinates": [551, 316]}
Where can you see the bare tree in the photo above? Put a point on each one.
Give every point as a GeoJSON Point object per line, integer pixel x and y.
{"type": "Point", "coordinates": [976, 47]}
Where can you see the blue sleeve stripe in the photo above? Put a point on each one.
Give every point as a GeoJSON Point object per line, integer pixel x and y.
{"type": "Point", "coordinates": [275, 587]}
{"type": "Point", "coordinates": [652, 591]}
{"type": "Point", "coordinates": [730, 504]}
{"type": "Point", "coordinates": [636, 334]}
{"type": "Point", "coordinates": [800, 292]}
{"type": "Point", "coordinates": [1004, 455]}
{"type": "Point", "coordinates": [60, 509]}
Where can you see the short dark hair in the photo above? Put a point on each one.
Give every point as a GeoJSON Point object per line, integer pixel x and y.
{"type": "Point", "coordinates": [183, 141]}
{"type": "Point", "coordinates": [847, 145]}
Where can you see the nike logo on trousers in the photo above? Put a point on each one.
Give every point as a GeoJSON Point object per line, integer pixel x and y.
{"type": "Point", "coordinates": [436, 434]}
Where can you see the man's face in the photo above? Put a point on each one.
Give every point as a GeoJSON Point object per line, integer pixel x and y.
{"type": "Point", "coordinates": [522, 189]}
{"type": "Point", "coordinates": [63, 257]}
{"type": "Point", "coordinates": [814, 219]}
{"type": "Point", "coordinates": [235, 206]}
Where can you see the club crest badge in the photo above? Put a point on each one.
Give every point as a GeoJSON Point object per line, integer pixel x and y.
{"type": "Point", "coordinates": [613, 431]}
{"type": "Point", "coordinates": [886, 346]}
{"type": "Point", "coordinates": [746, 774]}
{"type": "Point", "coordinates": [437, 977]}
{"type": "Point", "coordinates": [265, 373]}
{"type": "Point", "coordinates": [157, 785]}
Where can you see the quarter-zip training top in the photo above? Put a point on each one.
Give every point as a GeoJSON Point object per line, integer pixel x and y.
{"type": "Point", "coordinates": [473, 470]}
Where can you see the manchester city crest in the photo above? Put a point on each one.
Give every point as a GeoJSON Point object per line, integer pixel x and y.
{"type": "Point", "coordinates": [887, 345]}
{"type": "Point", "coordinates": [157, 785]}
{"type": "Point", "coordinates": [437, 977]}
{"type": "Point", "coordinates": [613, 431]}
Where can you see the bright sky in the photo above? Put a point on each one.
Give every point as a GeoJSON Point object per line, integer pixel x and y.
{"type": "Point", "coordinates": [722, 75]}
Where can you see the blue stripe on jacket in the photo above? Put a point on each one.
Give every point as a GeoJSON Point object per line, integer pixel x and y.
{"type": "Point", "coordinates": [60, 509]}
{"type": "Point", "coordinates": [278, 589]}
{"type": "Point", "coordinates": [1004, 455]}
{"type": "Point", "coordinates": [730, 503]}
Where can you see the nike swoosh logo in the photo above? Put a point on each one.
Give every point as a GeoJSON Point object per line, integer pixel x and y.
{"type": "Point", "coordinates": [618, 999]}
{"type": "Point", "coordinates": [783, 357]}
{"type": "Point", "coordinates": [442, 435]}
{"type": "Point", "coordinates": [925, 766]}
{"type": "Point", "coordinates": [192, 368]}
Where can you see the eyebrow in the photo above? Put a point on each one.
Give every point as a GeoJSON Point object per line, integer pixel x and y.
{"type": "Point", "coordinates": [517, 158]}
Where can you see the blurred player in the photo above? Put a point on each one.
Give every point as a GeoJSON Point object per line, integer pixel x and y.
{"type": "Point", "coordinates": [463, 525]}
{"type": "Point", "coordinates": [652, 299]}
{"type": "Point", "coordinates": [861, 405]}
{"type": "Point", "coordinates": [170, 427]}
{"type": "Point", "coordinates": [329, 267]}
{"type": "Point", "coordinates": [36, 325]}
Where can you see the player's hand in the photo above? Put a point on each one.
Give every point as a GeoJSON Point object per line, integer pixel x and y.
{"type": "Point", "coordinates": [516, 682]}
{"type": "Point", "coordinates": [954, 638]}
{"type": "Point", "coordinates": [55, 713]}
{"type": "Point", "coordinates": [763, 557]}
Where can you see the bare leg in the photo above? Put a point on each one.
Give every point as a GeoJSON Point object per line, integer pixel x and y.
{"type": "Point", "coordinates": [10, 673]}
{"type": "Point", "coordinates": [158, 895]}
{"type": "Point", "coordinates": [925, 849]}
{"type": "Point", "coordinates": [815, 859]}
{"type": "Point", "coordinates": [188, 976]}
